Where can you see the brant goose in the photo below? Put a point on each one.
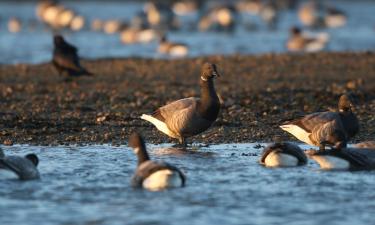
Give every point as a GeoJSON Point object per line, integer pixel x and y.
{"type": "Point", "coordinates": [24, 167]}
{"type": "Point", "coordinates": [153, 175]}
{"type": "Point", "coordinates": [189, 116]}
{"type": "Point", "coordinates": [334, 18]}
{"type": "Point", "coordinates": [172, 48]}
{"type": "Point", "coordinates": [321, 128]}
{"type": "Point", "coordinates": [365, 144]}
{"type": "Point", "coordinates": [283, 155]}
{"type": "Point", "coordinates": [298, 41]}
{"type": "Point", "coordinates": [65, 58]}
{"type": "Point", "coordinates": [344, 159]}
{"type": "Point", "coordinates": [310, 14]}
{"type": "Point", "coordinates": [221, 18]}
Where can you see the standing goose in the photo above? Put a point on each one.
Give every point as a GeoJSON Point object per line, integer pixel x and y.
{"type": "Point", "coordinates": [153, 175]}
{"type": "Point", "coordinates": [189, 116]}
{"type": "Point", "coordinates": [344, 159]}
{"type": "Point", "coordinates": [321, 128]}
{"type": "Point", "coordinates": [65, 58]}
{"type": "Point", "coordinates": [24, 167]}
{"type": "Point", "coordinates": [283, 155]}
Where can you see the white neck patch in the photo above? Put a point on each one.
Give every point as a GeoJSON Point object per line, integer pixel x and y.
{"type": "Point", "coordinates": [204, 79]}
{"type": "Point", "coordinates": [136, 150]}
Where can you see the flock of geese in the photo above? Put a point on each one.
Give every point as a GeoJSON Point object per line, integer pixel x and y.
{"type": "Point", "coordinates": [188, 117]}
{"type": "Point", "coordinates": [153, 22]}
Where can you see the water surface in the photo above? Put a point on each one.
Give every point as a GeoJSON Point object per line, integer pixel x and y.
{"type": "Point", "coordinates": [225, 185]}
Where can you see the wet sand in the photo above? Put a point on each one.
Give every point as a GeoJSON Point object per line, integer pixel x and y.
{"type": "Point", "coordinates": [258, 92]}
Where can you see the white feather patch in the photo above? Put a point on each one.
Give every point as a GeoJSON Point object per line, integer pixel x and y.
{"type": "Point", "coordinates": [7, 175]}
{"type": "Point", "coordinates": [162, 179]}
{"type": "Point", "coordinates": [280, 160]}
{"type": "Point", "coordinates": [297, 132]}
{"type": "Point", "coordinates": [328, 162]}
{"type": "Point", "coordinates": [159, 125]}
{"type": "Point", "coordinates": [179, 51]}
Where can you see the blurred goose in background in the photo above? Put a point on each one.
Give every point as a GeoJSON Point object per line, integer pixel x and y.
{"type": "Point", "coordinates": [14, 25]}
{"type": "Point", "coordinates": [185, 7]}
{"type": "Point", "coordinates": [249, 6]}
{"type": "Point", "coordinates": [269, 13]}
{"type": "Point", "coordinates": [189, 116]}
{"type": "Point", "coordinates": [172, 48]}
{"type": "Point", "coordinates": [365, 144]}
{"type": "Point", "coordinates": [302, 42]}
{"type": "Point", "coordinates": [113, 26]}
{"type": "Point", "coordinates": [344, 159]}
{"type": "Point", "coordinates": [25, 168]}
{"type": "Point", "coordinates": [65, 58]}
{"type": "Point", "coordinates": [326, 128]}
{"type": "Point", "coordinates": [138, 35]}
{"type": "Point", "coordinates": [160, 15]}
{"type": "Point", "coordinates": [153, 175]}
{"type": "Point", "coordinates": [334, 18]}
{"type": "Point", "coordinates": [310, 14]}
{"type": "Point", "coordinates": [283, 155]}
{"type": "Point", "coordinates": [219, 18]}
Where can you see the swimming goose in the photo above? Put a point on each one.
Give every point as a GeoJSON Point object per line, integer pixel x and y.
{"type": "Point", "coordinates": [365, 144]}
{"type": "Point", "coordinates": [344, 159]}
{"type": "Point", "coordinates": [153, 175]}
{"type": "Point", "coordinates": [334, 18]}
{"type": "Point", "coordinates": [299, 41]}
{"type": "Point", "coordinates": [24, 167]}
{"type": "Point", "coordinates": [310, 14]}
{"type": "Point", "coordinates": [322, 128]}
{"type": "Point", "coordinates": [65, 58]}
{"type": "Point", "coordinates": [189, 116]}
{"type": "Point", "coordinates": [219, 18]}
{"type": "Point", "coordinates": [172, 48]}
{"type": "Point", "coordinates": [283, 155]}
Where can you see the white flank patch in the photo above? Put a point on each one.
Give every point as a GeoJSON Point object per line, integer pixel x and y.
{"type": "Point", "coordinates": [179, 51]}
{"type": "Point", "coordinates": [335, 21]}
{"type": "Point", "coordinates": [159, 125]}
{"type": "Point", "coordinates": [331, 162]}
{"type": "Point", "coordinates": [7, 175]}
{"type": "Point", "coordinates": [297, 132]}
{"type": "Point", "coordinates": [162, 179]}
{"type": "Point", "coordinates": [280, 160]}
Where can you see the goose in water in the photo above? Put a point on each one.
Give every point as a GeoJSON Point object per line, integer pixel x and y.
{"type": "Point", "coordinates": [326, 128]}
{"type": "Point", "coordinates": [344, 159]}
{"type": "Point", "coordinates": [24, 167]}
{"type": "Point", "coordinates": [283, 155]}
{"type": "Point", "coordinates": [150, 174]}
{"type": "Point", "coordinates": [65, 58]}
{"type": "Point", "coordinates": [189, 116]}
{"type": "Point", "coordinates": [300, 42]}
{"type": "Point", "coordinates": [172, 48]}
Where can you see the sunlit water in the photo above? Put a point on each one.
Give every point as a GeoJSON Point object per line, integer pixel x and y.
{"type": "Point", "coordinates": [225, 185]}
{"type": "Point", "coordinates": [34, 43]}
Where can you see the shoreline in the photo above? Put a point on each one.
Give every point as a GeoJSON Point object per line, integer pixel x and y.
{"type": "Point", "coordinates": [258, 93]}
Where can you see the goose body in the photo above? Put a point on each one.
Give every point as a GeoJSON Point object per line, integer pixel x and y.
{"type": "Point", "coordinates": [172, 49]}
{"type": "Point", "coordinates": [334, 128]}
{"type": "Point", "coordinates": [153, 175]}
{"type": "Point", "coordinates": [300, 42]}
{"type": "Point", "coordinates": [283, 155]}
{"type": "Point", "coordinates": [25, 168]}
{"type": "Point", "coordinates": [334, 18]}
{"type": "Point", "coordinates": [189, 116]}
{"type": "Point", "coordinates": [344, 159]}
{"type": "Point", "coordinates": [65, 58]}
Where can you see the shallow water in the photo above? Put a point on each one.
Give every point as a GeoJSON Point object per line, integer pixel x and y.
{"type": "Point", "coordinates": [226, 185]}
{"type": "Point", "coordinates": [34, 44]}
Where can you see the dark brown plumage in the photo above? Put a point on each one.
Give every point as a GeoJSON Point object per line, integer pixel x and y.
{"type": "Point", "coordinates": [65, 58]}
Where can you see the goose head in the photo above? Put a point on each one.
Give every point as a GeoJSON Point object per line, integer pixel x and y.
{"type": "Point", "coordinates": [346, 103]}
{"type": "Point", "coordinates": [58, 39]}
{"type": "Point", "coordinates": [295, 31]}
{"type": "Point", "coordinates": [209, 71]}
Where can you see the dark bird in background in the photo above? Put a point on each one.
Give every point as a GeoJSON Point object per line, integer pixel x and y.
{"type": "Point", "coordinates": [66, 60]}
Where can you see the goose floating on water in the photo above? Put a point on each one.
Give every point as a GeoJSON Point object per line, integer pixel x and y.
{"type": "Point", "coordinates": [24, 167]}
{"type": "Point", "coordinates": [153, 175]}
{"type": "Point", "coordinates": [301, 42]}
{"type": "Point", "coordinates": [172, 48]}
{"type": "Point", "coordinates": [189, 116]}
{"type": "Point", "coordinates": [344, 159]}
{"type": "Point", "coordinates": [283, 155]}
{"type": "Point", "coordinates": [322, 128]}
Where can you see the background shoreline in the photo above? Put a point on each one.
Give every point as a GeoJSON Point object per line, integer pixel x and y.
{"type": "Point", "coordinates": [259, 92]}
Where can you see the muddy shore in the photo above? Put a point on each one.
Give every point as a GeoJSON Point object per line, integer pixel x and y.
{"type": "Point", "coordinates": [259, 92]}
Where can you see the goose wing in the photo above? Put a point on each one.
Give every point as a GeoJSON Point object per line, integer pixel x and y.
{"type": "Point", "coordinates": [309, 122]}
{"type": "Point", "coordinates": [68, 61]}
{"type": "Point", "coordinates": [174, 108]}
{"type": "Point", "coordinates": [331, 132]}
{"type": "Point", "coordinates": [148, 168]}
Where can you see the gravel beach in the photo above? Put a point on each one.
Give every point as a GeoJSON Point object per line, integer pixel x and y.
{"type": "Point", "coordinates": [258, 93]}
